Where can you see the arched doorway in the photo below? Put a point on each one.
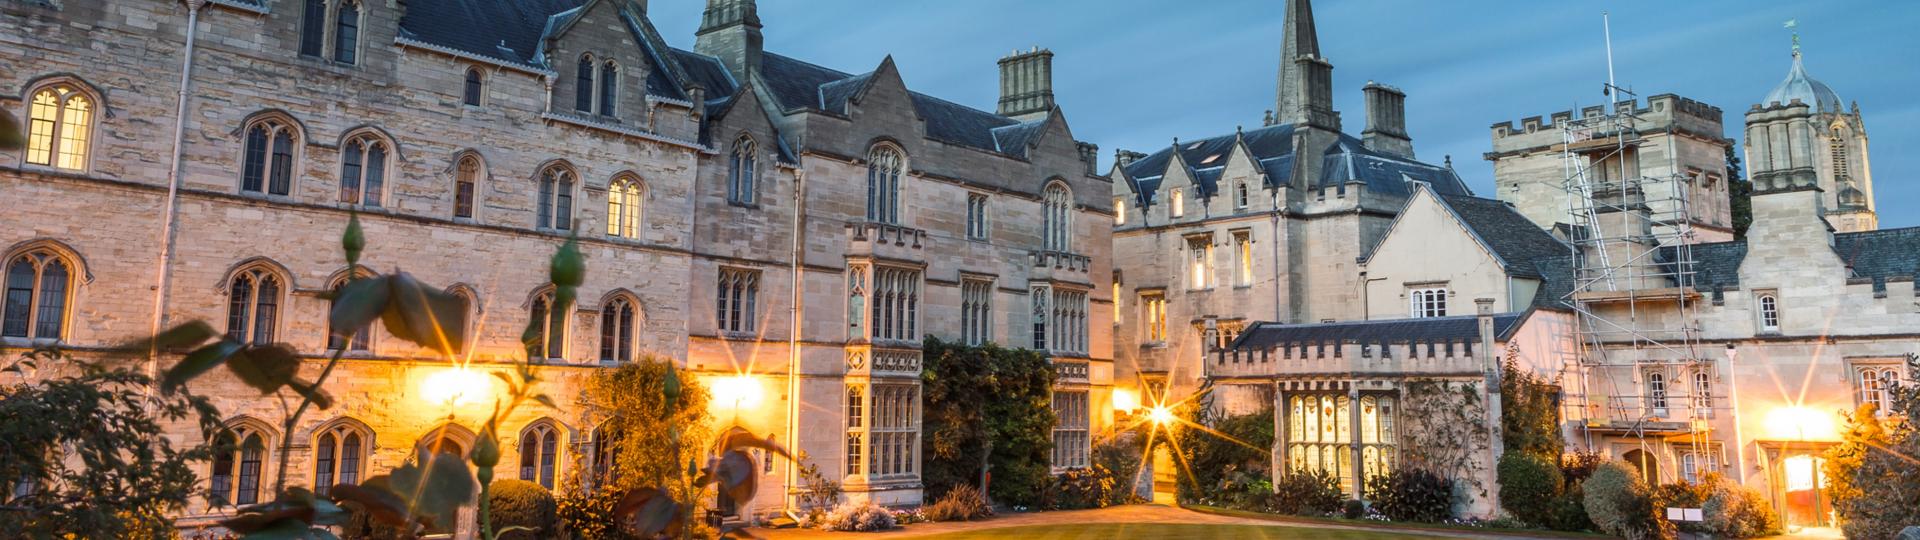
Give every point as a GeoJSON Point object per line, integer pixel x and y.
{"type": "Point", "coordinates": [1649, 466]}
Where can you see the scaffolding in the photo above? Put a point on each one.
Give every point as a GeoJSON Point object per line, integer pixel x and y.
{"type": "Point", "coordinates": [1632, 291]}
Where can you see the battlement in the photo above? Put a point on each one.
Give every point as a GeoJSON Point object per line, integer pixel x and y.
{"type": "Point", "coordinates": [1660, 110]}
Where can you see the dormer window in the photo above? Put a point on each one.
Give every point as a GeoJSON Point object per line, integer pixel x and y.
{"type": "Point", "coordinates": [1241, 195]}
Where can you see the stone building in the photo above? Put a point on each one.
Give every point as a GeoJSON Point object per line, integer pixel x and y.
{"type": "Point", "coordinates": [1674, 147]}
{"type": "Point", "coordinates": [1259, 224]}
{"type": "Point", "coordinates": [1800, 128]}
{"type": "Point", "coordinates": [722, 195]}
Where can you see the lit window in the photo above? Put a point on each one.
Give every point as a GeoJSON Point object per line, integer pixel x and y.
{"type": "Point", "coordinates": [475, 88]}
{"type": "Point", "coordinates": [337, 337]}
{"type": "Point", "coordinates": [856, 431]}
{"type": "Point", "coordinates": [624, 202]}
{"type": "Point", "coordinates": [1178, 203]}
{"type": "Point", "coordinates": [1877, 386]}
{"type": "Point", "coordinates": [1427, 303]}
{"type": "Point", "coordinates": [363, 170]}
{"type": "Point", "coordinates": [737, 300]}
{"type": "Point", "coordinates": [1069, 321]}
{"type": "Point", "coordinates": [267, 159]}
{"type": "Point", "coordinates": [976, 311]}
{"type": "Point", "coordinates": [1116, 298]}
{"type": "Point", "coordinates": [240, 453]}
{"type": "Point", "coordinates": [1320, 434]}
{"type": "Point", "coordinates": [892, 432]}
{"type": "Point", "coordinates": [1243, 251]}
{"type": "Point", "coordinates": [466, 186]}
{"type": "Point", "coordinates": [253, 306]}
{"type": "Point", "coordinates": [552, 341]}
{"type": "Point", "coordinates": [60, 127]}
{"type": "Point", "coordinates": [556, 199]}
{"type": "Point", "coordinates": [1769, 313]}
{"type": "Point", "coordinates": [976, 216]}
{"type": "Point", "coordinates": [339, 452]}
{"type": "Point", "coordinates": [1070, 440]}
{"type": "Point", "coordinates": [883, 185]}
{"type": "Point", "coordinates": [1042, 317]}
{"type": "Point", "coordinates": [1154, 317]}
{"type": "Point", "coordinates": [1057, 218]}
{"type": "Point", "coordinates": [346, 32]}
{"type": "Point", "coordinates": [616, 330]}
{"type": "Point", "coordinates": [1199, 263]}
{"type": "Point", "coordinates": [539, 451]}
{"type": "Point", "coordinates": [740, 172]}
{"type": "Point", "coordinates": [36, 296]}
{"type": "Point", "coordinates": [1119, 210]}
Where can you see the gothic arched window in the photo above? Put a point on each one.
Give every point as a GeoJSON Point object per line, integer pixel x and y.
{"type": "Point", "coordinates": [740, 172]}
{"type": "Point", "coordinates": [625, 199]}
{"type": "Point", "coordinates": [37, 290]}
{"type": "Point", "coordinates": [475, 87]}
{"type": "Point", "coordinates": [539, 451]}
{"type": "Point", "coordinates": [466, 185]}
{"type": "Point", "coordinates": [363, 170]}
{"type": "Point", "coordinates": [553, 333]}
{"type": "Point", "coordinates": [346, 32]}
{"type": "Point", "coordinates": [609, 87]}
{"type": "Point", "coordinates": [617, 330]}
{"type": "Point", "coordinates": [583, 84]}
{"type": "Point", "coordinates": [883, 184]}
{"type": "Point", "coordinates": [339, 452]}
{"type": "Point", "coordinates": [253, 305]}
{"type": "Point", "coordinates": [60, 127]}
{"type": "Point", "coordinates": [1058, 218]}
{"type": "Point", "coordinates": [337, 337]}
{"type": "Point", "coordinates": [241, 455]}
{"type": "Point", "coordinates": [267, 159]}
{"type": "Point", "coordinates": [313, 28]}
{"type": "Point", "coordinates": [556, 199]}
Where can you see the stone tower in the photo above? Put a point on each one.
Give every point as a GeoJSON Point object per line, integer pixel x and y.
{"type": "Point", "coordinates": [1304, 93]}
{"type": "Point", "coordinates": [1801, 129]}
{"type": "Point", "coordinates": [730, 31]}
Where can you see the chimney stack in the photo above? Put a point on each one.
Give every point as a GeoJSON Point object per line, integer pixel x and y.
{"type": "Point", "coordinates": [730, 31]}
{"type": "Point", "coordinates": [1026, 84]}
{"type": "Point", "coordinates": [1387, 121]}
{"type": "Point", "coordinates": [1123, 157]}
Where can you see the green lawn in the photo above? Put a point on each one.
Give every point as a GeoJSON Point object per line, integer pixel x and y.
{"type": "Point", "coordinates": [1172, 531]}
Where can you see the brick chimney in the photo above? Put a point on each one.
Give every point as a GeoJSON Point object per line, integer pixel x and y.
{"type": "Point", "coordinates": [1386, 121]}
{"type": "Point", "coordinates": [1026, 84]}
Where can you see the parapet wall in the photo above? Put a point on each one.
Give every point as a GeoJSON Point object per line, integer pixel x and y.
{"type": "Point", "coordinates": [1660, 113]}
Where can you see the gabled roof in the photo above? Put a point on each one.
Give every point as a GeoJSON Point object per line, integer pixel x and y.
{"type": "Point", "coordinates": [1272, 147]}
{"type": "Point", "coordinates": [1266, 335]}
{"type": "Point", "coordinates": [798, 85]}
{"type": "Point", "coordinates": [508, 31]}
{"type": "Point", "coordinates": [1513, 239]}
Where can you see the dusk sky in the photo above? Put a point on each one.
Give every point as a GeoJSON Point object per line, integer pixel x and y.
{"type": "Point", "coordinates": [1135, 74]}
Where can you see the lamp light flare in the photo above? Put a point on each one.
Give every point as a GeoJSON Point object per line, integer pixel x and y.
{"type": "Point", "coordinates": [742, 391]}
{"type": "Point", "coordinates": [1796, 422]}
{"type": "Point", "coordinates": [1125, 400]}
{"type": "Point", "coordinates": [455, 387]}
{"type": "Point", "coordinates": [1161, 415]}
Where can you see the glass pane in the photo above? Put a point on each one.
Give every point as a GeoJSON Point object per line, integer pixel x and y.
{"type": "Point", "coordinates": [376, 173]}
{"type": "Point", "coordinates": [19, 299]}
{"type": "Point", "coordinates": [346, 34]}
{"type": "Point", "coordinates": [76, 125]}
{"type": "Point", "coordinates": [281, 180]}
{"type": "Point", "coordinates": [254, 166]}
{"type": "Point", "coordinates": [53, 301]}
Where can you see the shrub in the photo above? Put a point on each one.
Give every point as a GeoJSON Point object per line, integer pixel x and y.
{"type": "Point", "coordinates": [1012, 433]}
{"type": "Point", "coordinates": [1118, 458]}
{"type": "Point", "coordinates": [521, 503]}
{"type": "Point", "coordinates": [1871, 472]}
{"type": "Point", "coordinates": [1228, 468]}
{"type": "Point", "coordinates": [1077, 489]}
{"type": "Point", "coordinates": [1354, 509]}
{"type": "Point", "coordinates": [1569, 511]}
{"type": "Point", "coordinates": [961, 503]}
{"type": "Point", "coordinates": [1412, 495]}
{"type": "Point", "coordinates": [1529, 486]}
{"type": "Point", "coordinates": [1621, 505]}
{"type": "Point", "coordinates": [1306, 493]}
{"type": "Point", "coordinates": [858, 516]}
{"type": "Point", "coordinates": [817, 493]}
{"type": "Point", "coordinates": [1681, 495]}
{"type": "Point", "coordinates": [1734, 511]}
{"type": "Point", "coordinates": [588, 514]}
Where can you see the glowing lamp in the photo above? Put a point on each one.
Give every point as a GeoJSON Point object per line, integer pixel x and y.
{"type": "Point", "coordinates": [740, 391]}
{"type": "Point", "coordinates": [1800, 423]}
{"type": "Point", "coordinates": [1125, 400]}
{"type": "Point", "coordinates": [1160, 414]}
{"type": "Point", "coordinates": [455, 386]}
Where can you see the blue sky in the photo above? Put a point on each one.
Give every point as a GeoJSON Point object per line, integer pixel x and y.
{"type": "Point", "coordinates": [1135, 74]}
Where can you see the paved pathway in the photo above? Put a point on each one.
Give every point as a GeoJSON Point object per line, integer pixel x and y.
{"type": "Point", "coordinates": [1139, 513]}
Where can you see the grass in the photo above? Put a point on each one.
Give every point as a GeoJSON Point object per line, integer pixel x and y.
{"type": "Point", "coordinates": [1171, 531]}
{"type": "Point", "coordinates": [1537, 533]}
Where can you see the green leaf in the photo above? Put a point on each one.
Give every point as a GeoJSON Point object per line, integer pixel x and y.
{"type": "Point", "coordinates": [427, 316]}
{"type": "Point", "coordinates": [376, 498]}
{"type": "Point", "coordinates": [199, 362]}
{"type": "Point", "coordinates": [357, 304]}
{"type": "Point", "coordinates": [736, 475]}
{"type": "Point", "coordinates": [280, 529]}
{"type": "Point", "coordinates": [737, 437]}
{"type": "Point", "coordinates": [651, 511]}
{"type": "Point", "coordinates": [266, 368]}
{"type": "Point", "coordinates": [354, 240]}
{"type": "Point", "coordinates": [185, 335]}
{"type": "Point", "coordinates": [436, 485]}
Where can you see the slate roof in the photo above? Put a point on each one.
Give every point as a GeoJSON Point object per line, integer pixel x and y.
{"type": "Point", "coordinates": [800, 85]}
{"type": "Point", "coordinates": [1346, 160]}
{"type": "Point", "coordinates": [501, 30]}
{"type": "Point", "coordinates": [1880, 254]}
{"type": "Point", "coordinates": [1514, 240]}
{"type": "Point", "coordinates": [1266, 335]}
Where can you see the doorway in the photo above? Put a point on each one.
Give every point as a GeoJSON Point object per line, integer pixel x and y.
{"type": "Point", "coordinates": [1166, 476]}
{"type": "Point", "coordinates": [1804, 481]}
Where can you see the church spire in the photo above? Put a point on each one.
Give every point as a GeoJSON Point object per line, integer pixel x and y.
{"type": "Point", "coordinates": [1303, 93]}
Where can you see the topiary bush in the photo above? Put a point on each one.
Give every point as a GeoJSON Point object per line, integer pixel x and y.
{"type": "Point", "coordinates": [519, 503]}
{"type": "Point", "coordinates": [1735, 511]}
{"type": "Point", "coordinates": [962, 502]}
{"type": "Point", "coordinates": [1354, 509]}
{"type": "Point", "coordinates": [858, 516]}
{"type": "Point", "coordinates": [1412, 495]}
{"type": "Point", "coordinates": [1529, 487]}
{"type": "Point", "coordinates": [1621, 505]}
{"type": "Point", "coordinates": [1306, 493]}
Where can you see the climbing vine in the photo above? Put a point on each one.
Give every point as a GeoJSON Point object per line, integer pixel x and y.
{"type": "Point", "coordinates": [1447, 431]}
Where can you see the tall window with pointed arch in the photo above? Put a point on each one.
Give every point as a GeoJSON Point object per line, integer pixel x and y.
{"type": "Point", "coordinates": [267, 159]}
{"type": "Point", "coordinates": [539, 452]}
{"type": "Point", "coordinates": [624, 205]}
{"type": "Point", "coordinates": [38, 289]}
{"type": "Point", "coordinates": [363, 170]}
{"type": "Point", "coordinates": [240, 456]}
{"type": "Point", "coordinates": [466, 186]}
{"type": "Point", "coordinates": [553, 335]}
{"type": "Point", "coordinates": [346, 32]}
{"type": "Point", "coordinates": [313, 28]}
{"type": "Point", "coordinates": [1057, 220]}
{"type": "Point", "coordinates": [1769, 312]}
{"type": "Point", "coordinates": [1837, 149]}
{"type": "Point", "coordinates": [976, 310]}
{"type": "Point", "coordinates": [740, 172]}
{"type": "Point", "coordinates": [253, 305]}
{"type": "Point", "coordinates": [583, 84]}
{"type": "Point", "coordinates": [339, 451]}
{"type": "Point", "coordinates": [60, 127]}
{"type": "Point", "coordinates": [556, 199]}
{"type": "Point", "coordinates": [976, 216]}
{"type": "Point", "coordinates": [884, 165]}
{"type": "Point", "coordinates": [338, 338]}
{"type": "Point", "coordinates": [617, 330]}
{"type": "Point", "coordinates": [475, 87]}
{"type": "Point", "coordinates": [609, 87]}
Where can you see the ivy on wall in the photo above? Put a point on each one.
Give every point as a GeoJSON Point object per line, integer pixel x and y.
{"type": "Point", "coordinates": [986, 408]}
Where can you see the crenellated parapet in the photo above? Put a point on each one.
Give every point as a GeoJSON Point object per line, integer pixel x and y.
{"type": "Point", "coordinates": [1660, 113]}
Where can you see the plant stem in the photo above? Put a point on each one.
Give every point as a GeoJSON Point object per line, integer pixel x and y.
{"type": "Point", "coordinates": [486, 523]}
{"type": "Point", "coordinates": [286, 434]}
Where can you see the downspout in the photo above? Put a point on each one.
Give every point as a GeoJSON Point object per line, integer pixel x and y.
{"type": "Point", "coordinates": [173, 188]}
{"type": "Point", "coordinates": [793, 338]}
{"type": "Point", "coordinates": [1280, 279]}
{"type": "Point", "coordinates": [1739, 439]}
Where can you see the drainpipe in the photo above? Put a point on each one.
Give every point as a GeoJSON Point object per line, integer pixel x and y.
{"type": "Point", "coordinates": [173, 186]}
{"type": "Point", "coordinates": [1739, 440]}
{"type": "Point", "coordinates": [793, 336]}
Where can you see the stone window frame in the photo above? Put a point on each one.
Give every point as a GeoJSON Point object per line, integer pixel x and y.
{"type": "Point", "coordinates": [276, 123]}
{"type": "Point", "coordinates": [1656, 391]}
{"type": "Point", "coordinates": [1700, 380]}
{"type": "Point", "coordinates": [1153, 317]}
{"type": "Point", "coordinates": [340, 428]}
{"type": "Point", "coordinates": [467, 293]}
{"type": "Point", "coordinates": [1071, 429]}
{"type": "Point", "coordinates": [478, 181]}
{"type": "Point", "coordinates": [1243, 257]}
{"type": "Point", "coordinates": [978, 228]}
{"type": "Point", "coordinates": [473, 90]}
{"type": "Point", "coordinates": [626, 205]}
{"type": "Point", "coordinates": [547, 459]}
{"type": "Point", "coordinates": [1119, 210]}
{"type": "Point", "coordinates": [887, 165]}
{"type": "Point", "coordinates": [564, 193]}
{"type": "Point", "coordinates": [743, 172]}
{"type": "Point", "coordinates": [337, 24]}
{"type": "Point", "coordinates": [257, 272]}
{"type": "Point", "coordinates": [1871, 380]}
{"type": "Point", "coordinates": [607, 89]}
{"type": "Point", "coordinates": [1242, 195]}
{"type": "Point", "coordinates": [1199, 261]}
{"type": "Point", "coordinates": [586, 84]}
{"type": "Point", "coordinates": [373, 139]}
{"type": "Point", "coordinates": [1427, 300]}
{"type": "Point", "coordinates": [40, 256]}
{"type": "Point", "coordinates": [237, 432]}
{"type": "Point", "coordinates": [1057, 216]}
{"type": "Point", "coordinates": [1119, 287]}
{"type": "Point", "coordinates": [63, 90]}
{"type": "Point", "coordinates": [976, 309]}
{"type": "Point", "coordinates": [737, 301]}
{"type": "Point", "coordinates": [1766, 310]}
{"type": "Point", "coordinates": [1177, 203]}
{"type": "Point", "coordinates": [1068, 324]}
{"type": "Point", "coordinates": [555, 349]}
{"type": "Point", "coordinates": [363, 343]}
{"type": "Point", "coordinates": [610, 307]}
{"type": "Point", "coordinates": [854, 460]}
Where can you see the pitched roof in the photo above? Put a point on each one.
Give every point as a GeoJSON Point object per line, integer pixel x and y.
{"type": "Point", "coordinates": [1880, 254]}
{"type": "Point", "coordinates": [1346, 160]}
{"type": "Point", "coordinates": [1266, 335]}
{"type": "Point", "coordinates": [1513, 239]}
{"type": "Point", "coordinates": [502, 30]}
{"type": "Point", "coordinates": [800, 85]}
